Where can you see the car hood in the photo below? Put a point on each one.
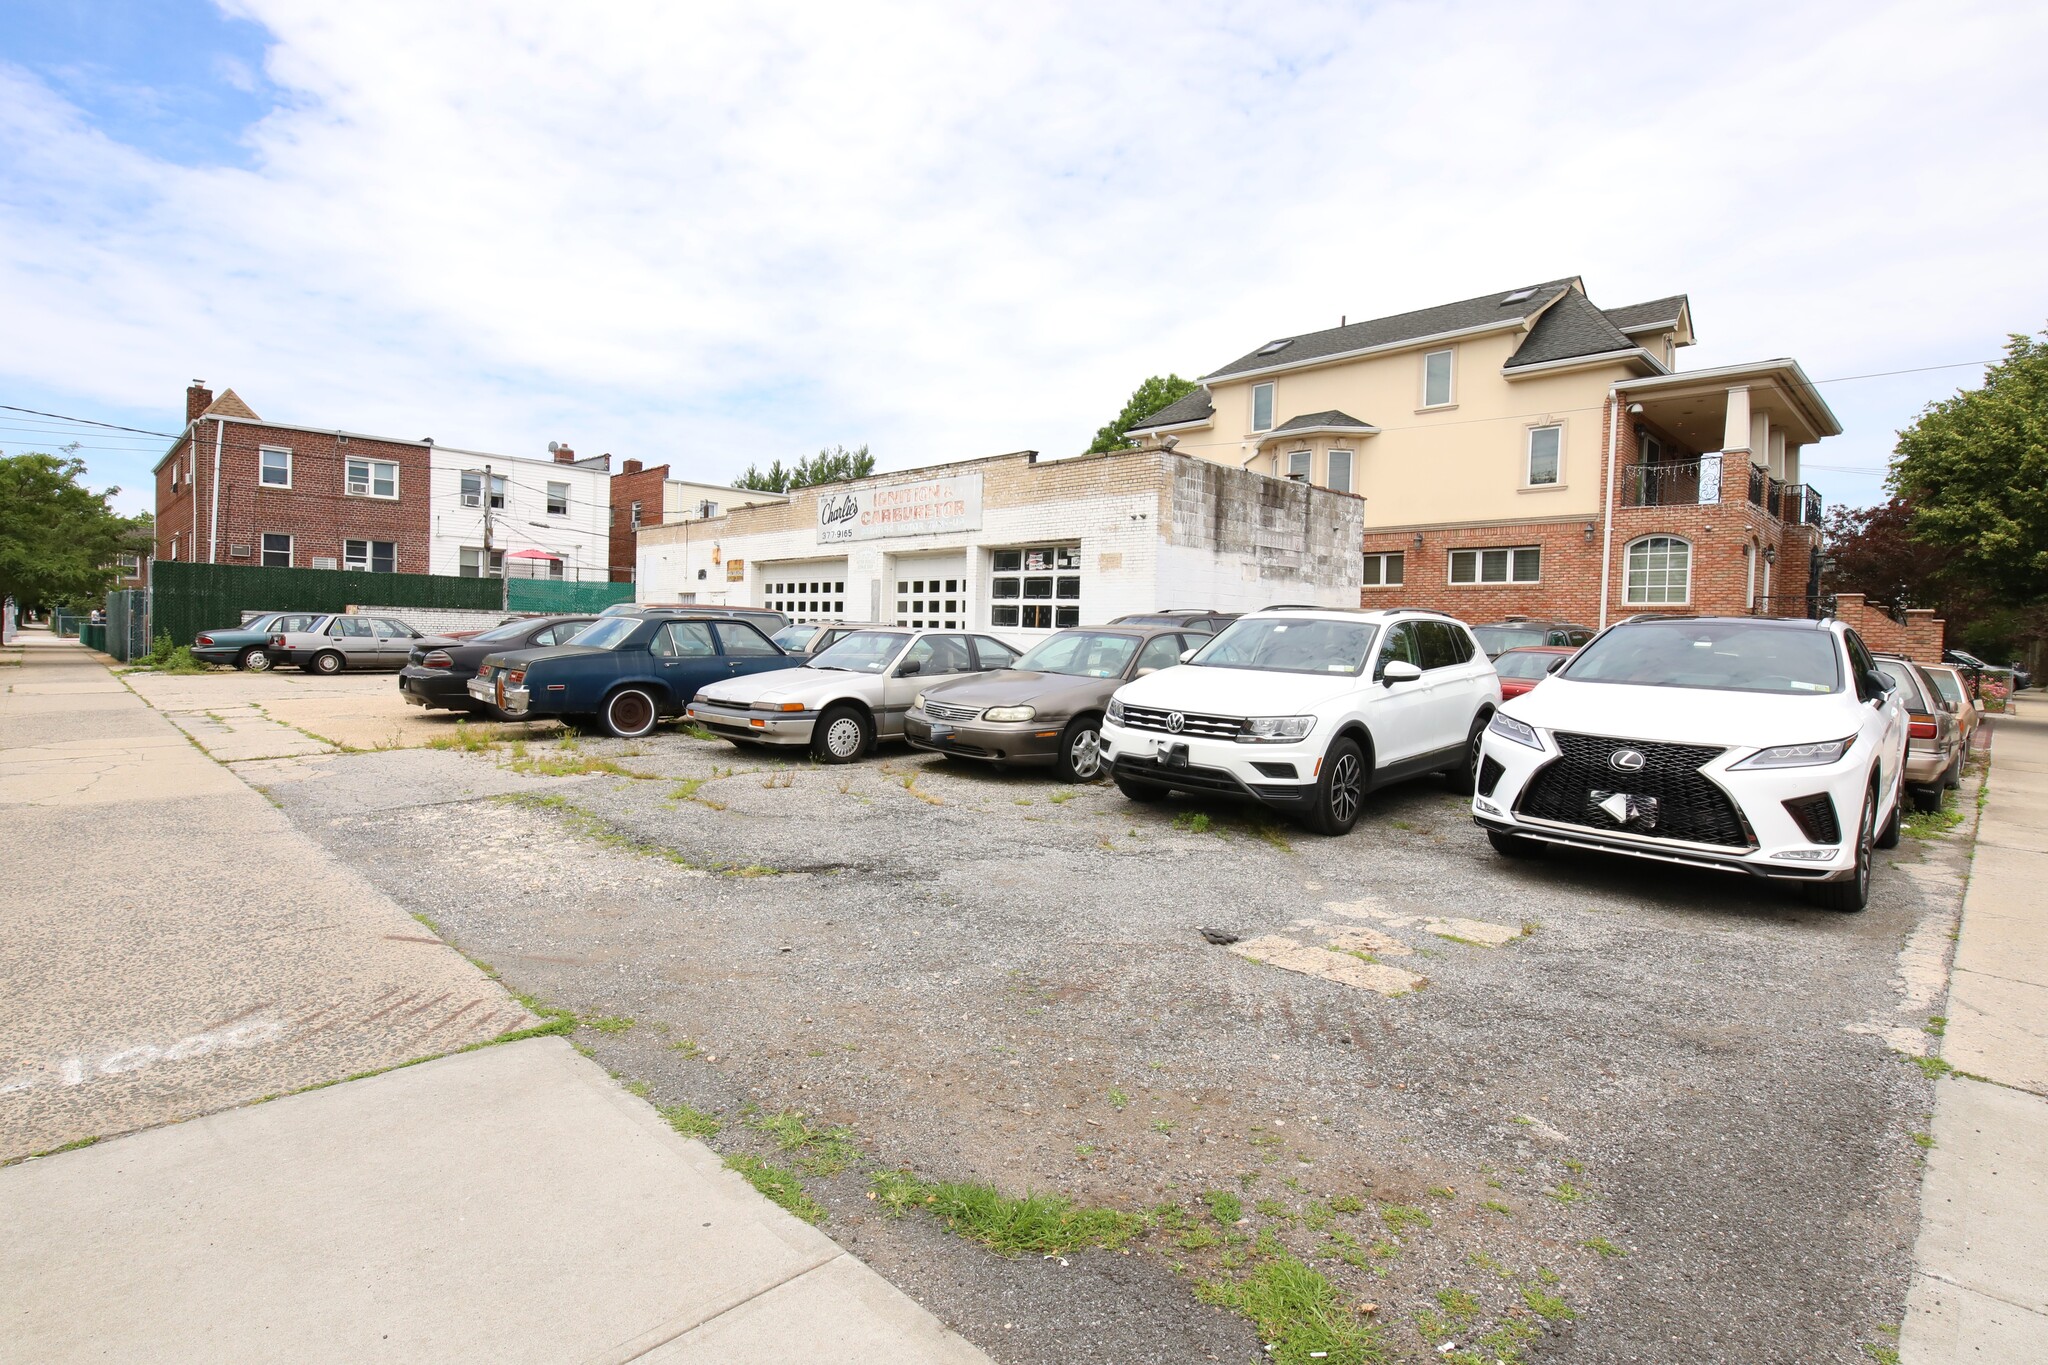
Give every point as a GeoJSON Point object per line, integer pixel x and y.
{"type": "Point", "coordinates": [514, 658]}
{"type": "Point", "coordinates": [1237, 691]}
{"type": "Point", "coordinates": [808, 686]}
{"type": "Point", "coordinates": [1015, 687]}
{"type": "Point", "coordinates": [1685, 715]}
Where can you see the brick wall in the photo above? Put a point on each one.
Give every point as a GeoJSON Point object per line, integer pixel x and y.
{"type": "Point", "coordinates": [633, 483]}
{"type": "Point", "coordinates": [1919, 638]}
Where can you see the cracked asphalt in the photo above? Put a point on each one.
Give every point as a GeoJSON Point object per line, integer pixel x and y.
{"type": "Point", "coordinates": [985, 982]}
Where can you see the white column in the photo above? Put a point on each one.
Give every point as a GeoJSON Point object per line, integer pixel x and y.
{"type": "Point", "coordinates": [1777, 449]}
{"type": "Point", "coordinates": [1735, 429]}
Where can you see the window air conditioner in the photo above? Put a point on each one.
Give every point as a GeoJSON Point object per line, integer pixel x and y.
{"type": "Point", "coordinates": [324, 562]}
{"type": "Point", "coordinates": [358, 490]}
{"type": "Point", "coordinates": [472, 500]}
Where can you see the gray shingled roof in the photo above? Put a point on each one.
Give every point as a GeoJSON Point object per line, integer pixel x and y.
{"type": "Point", "coordinates": [1391, 331]}
{"type": "Point", "coordinates": [1332, 418]}
{"type": "Point", "coordinates": [1574, 327]}
{"type": "Point", "coordinates": [1643, 314]}
{"type": "Point", "coordinates": [1191, 407]}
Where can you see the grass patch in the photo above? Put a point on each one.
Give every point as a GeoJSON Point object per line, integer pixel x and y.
{"type": "Point", "coordinates": [820, 1151]}
{"type": "Point", "coordinates": [1924, 1141]}
{"type": "Point", "coordinates": [1402, 1218]}
{"type": "Point", "coordinates": [1602, 1247]}
{"type": "Point", "coordinates": [1546, 1305]}
{"type": "Point", "coordinates": [1297, 1312]}
{"type": "Point", "coordinates": [1932, 824]}
{"type": "Point", "coordinates": [594, 827]}
{"type": "Point", "coordinates": [1225, 1207]}
{"type": "Point", "coordinates": [1118, 1098]}
{"type": "Point", "coordinates": [1883, 1355]}
{"type": "Point", "coordinates": [1933, 1068]}
{"type": "Point", "coordinates": [468, 739]}
{"type": "Point", "coordinates": [691, 1122]}
{"type": "Point", "coordinates": [1193, 821]}
{"type": "Point", "coordinates": [1936, 1024]}
{"type": "Point", "coordinates": [1564, 1192]}
{"type": "Point", "coordinates": [1347, 1203]}
{"type": "Point", "coordinates": [1046, 1224]}
{"type": "Point", "coordinates": [688, 1047]}
{"type": "Point", "coordinates": [618, 1023]}
{"type": "Point", "coordinates": [574, 764]}
{"type": "Point", "coordinates": [1061, 798]}
{"type": "Point", "coordinates": [781, 1186]}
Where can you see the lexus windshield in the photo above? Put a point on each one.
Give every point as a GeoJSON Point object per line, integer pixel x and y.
{"type": "Point", "coordinates": [1082, 654]}
{"type": "Point", "coordinates": [1291, 646]}
{"type": "Point", "coordinates": [1726, 656]}
{"type": "Point", "coordinates": [864, 651]}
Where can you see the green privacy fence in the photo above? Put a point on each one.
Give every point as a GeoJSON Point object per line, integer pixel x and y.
{"type": "Point", "coordinates": [559, 597]}
{"type": "Point", "coordinates": [190, 598]}
{"type": "Point", "coordinates": [127, 624]}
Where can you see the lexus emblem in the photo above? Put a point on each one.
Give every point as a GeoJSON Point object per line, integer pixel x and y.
{"type": "Point", "coordinates": [1626, 760]}
{"type": "Point", "coordinates": [1174, 721]}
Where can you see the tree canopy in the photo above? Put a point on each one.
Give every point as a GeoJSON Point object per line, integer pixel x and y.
{"type": "Point", "coordinates": [828, 466]}
{"type": "Point", "coordinates": [58, 538]}
{"type": "Point", "coordinates": [1975, 469]}
{"type": "Point", "coordinates": [1148, 398]}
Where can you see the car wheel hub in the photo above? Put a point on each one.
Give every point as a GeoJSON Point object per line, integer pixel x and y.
{"type": "Point", "coordinates": [843, 738]}
{"type": "Point", "coordinates": [1086, 755]}
{"type": "Point", "coordinates": [630, 713]}
{"type": "Point", "coordinates": [1344, 788]}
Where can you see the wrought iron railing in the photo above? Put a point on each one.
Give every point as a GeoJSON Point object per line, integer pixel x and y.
{"type": "Point", "coordinates": [1757, 480]}
{"type": "Point", "coordinates": [1666, 484]}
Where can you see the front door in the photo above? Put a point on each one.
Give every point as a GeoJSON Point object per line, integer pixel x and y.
{"type": "Point", "coordinates": [1401, 725]}
{"type": "Point", "coordinates": [356, 638]}
{"type": "Point", "coordinates": [747, 650]}
{"type": "Point", "coordinates": [685, 657]}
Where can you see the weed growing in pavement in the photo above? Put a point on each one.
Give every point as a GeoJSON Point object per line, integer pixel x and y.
{"type": "Point", "coordinates": [1924, 1141]}
{"type": "Point", "coordinates": [691, 1122]}
{"type": "Point", "coordinates": [1495, 1206]}
{"type": "Point", "coordinates": [1272, 1208]}
{"type": "Point", "coordinates": [1443, 1192]}
{"type": "Point", "coordinates": [910, 785]}
{"type": "Point", "coordinates": [1401, 824]}
{"type": "Point", "coordinates": [574, 764]}
{"type": "Point", "coordinates": [785, 777]}
{"type": "Point", "coordinates": [1486, 1262]}
{"type": "Point", "coordinates": [821, 1151]}
{"type": "Point", "coordinates": [1043, 1223]}
{"type": "Point", "coordinates": [1936, 1025]}
{"type": "Point", "coordinates": [1193, 821]}
{"type": "Point", "coordinates": [1547, 1305]}
{"type": "Point", "coordinates": [609, 1024]}
{"type": "Point", "coordinates": [469, 739]}
{"type": "Point", "coordinates": [1933, 1068]}
{"type": "Point", "coordinates": [1932, 824]}
{"type": "Point", "coordinates": [1600, 1246]}
{"type": "Point", "coordinates": [1084, 1150]}
{"type": "Point", "coordinates": [1062, 797]}
{"type": "Point", "coordinates": [1456, 1311]}
{"type": "Point", "coordinates": [1297, 1311]}
{"type": "Point", "coordinates": [1118, 1098]}
{"type": "Point", "coordinates": [592, 826]}
{"type": "Point", "coordinates": [1401, 1218]}
{"type": "Point", "coordinates": [1347, 1203]}
{"type": "Point", "coordinates": [688, 1047]}
{"type": "Point", "coordinates": [72, 1146]}
{"type": "Point", "coordinates": [1564, 1192]}
{"type": "Point", "coordinates": [1883, 1355]}
{"type": "Point", "coordinates": [637, 1088]}
{"type": "Point", "coordinates": [1199, 1239]}
{"type": "Point", "coordinates": [1225, 1207]}
{"type": "Point", "coordinates": [1162, 1125]}
{"type": "Point", "coordinates": [1021, 801]}
{"type": "Point", "coordinates": [779, 1185]}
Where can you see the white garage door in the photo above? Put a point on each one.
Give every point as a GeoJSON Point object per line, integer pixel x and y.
{"type": "Point", "coordinates": [805, 590]}
{"type": "Point", "coordinates": [931, 591]}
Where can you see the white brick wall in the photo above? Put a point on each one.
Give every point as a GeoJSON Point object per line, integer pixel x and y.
{"type": "Point", "coordinates": [437, 620]}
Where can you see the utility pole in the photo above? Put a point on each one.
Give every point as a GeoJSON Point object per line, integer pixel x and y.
{"type": "Point", "coordinates": [504, 588]}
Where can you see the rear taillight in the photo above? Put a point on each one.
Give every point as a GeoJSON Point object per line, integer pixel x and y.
{"type": "Point", "coordinates": [439, 658]}
{"type": "Point", "coordinates": [1920, 726]}
{"type": "Point", "coordinates": [515, 677]}
{"type": "Point", "coordinates": [203, 640]}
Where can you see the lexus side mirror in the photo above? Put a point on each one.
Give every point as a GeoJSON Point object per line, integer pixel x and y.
{"type": "Point", "coordinates": [1399, 671]}
{"type": "Point", "coordinates": [1187, 654]}
{"type": "Point", "coordinates": [905, 670]}
{"type": "Point", "coordinates": [1559, 662]}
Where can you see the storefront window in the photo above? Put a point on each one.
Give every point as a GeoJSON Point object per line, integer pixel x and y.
{"type": "Point", "coordinates": [1038, 588]}
{"type": "Point", "coordinates": [933, 603]}
{"type": "Point", "coordinates": [807, 599]}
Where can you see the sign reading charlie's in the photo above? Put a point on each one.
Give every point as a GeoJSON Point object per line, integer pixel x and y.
{"type": "Point", "coordinates": [922, 507]}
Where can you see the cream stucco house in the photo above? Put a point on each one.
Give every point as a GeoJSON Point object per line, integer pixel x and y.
{"type": "Point", "coordinates": [1530, 452]}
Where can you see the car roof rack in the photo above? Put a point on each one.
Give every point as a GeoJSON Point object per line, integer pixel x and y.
{"type": "Point", "coordinates": [1317, 606]}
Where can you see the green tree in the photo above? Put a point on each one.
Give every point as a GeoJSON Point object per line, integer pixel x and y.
{"type": "Point", "coordinates": [1148, 398]}
{"type": "Point", "coordinates": [835, 465]}
{"type": "Point", "coordinates": [58, 538]}
{"type": "Point", "coordinates": [1975, 468]}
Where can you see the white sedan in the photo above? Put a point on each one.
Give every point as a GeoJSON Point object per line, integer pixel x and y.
{"type": "Point", "coordinates": [844, 700]}
{"type": "Point", "coordinates": [1769, 747]}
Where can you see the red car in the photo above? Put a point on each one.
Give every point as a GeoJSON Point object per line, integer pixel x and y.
{"type": "Point", "coordinates": [1521, 669]}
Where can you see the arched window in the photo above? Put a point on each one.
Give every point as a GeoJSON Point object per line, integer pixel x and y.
{"type": "Point", "coordinates": [1659, 572]}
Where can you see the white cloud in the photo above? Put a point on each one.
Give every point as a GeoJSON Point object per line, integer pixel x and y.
{"type": "Point", "coordinates": [719, 235]}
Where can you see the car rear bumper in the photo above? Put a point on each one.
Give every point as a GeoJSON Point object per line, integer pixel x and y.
{"type": "Point", "coordinates": [219, 654]}
{"type": "Point", "coordinates": [434, 687]}
{"type": "Point", "coordinates": [763, 727]}
{"type": "Point", "coordinates": [1022, 742]}
{"type": "Point", "coordinates": [1925, 767]}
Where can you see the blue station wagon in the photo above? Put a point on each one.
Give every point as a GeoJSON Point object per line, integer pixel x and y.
{"type": "Point", "coordinates": [626, 672]}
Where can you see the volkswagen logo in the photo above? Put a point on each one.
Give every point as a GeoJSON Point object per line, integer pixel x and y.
{"type": "Point", "coordinates": [1626, 760]}
{"type": "Point", "coordinates": [1174, 721]}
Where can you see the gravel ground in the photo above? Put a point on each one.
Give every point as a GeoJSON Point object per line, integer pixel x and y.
{"type": "Point", "coordinates": [987, 984]}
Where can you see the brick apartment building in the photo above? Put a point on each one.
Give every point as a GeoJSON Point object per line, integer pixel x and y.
{"type": "Point", "coordinates": [1532, 453]}
{"type": "Point", "coordinates": [644, 495]}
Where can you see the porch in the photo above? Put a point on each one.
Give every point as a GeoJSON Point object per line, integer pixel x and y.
{"type": "Point", "coordinates": [1703, 482]}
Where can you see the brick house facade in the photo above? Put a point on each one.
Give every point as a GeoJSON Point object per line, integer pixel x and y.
{"type": "Point", "coordinates": [634, 483]}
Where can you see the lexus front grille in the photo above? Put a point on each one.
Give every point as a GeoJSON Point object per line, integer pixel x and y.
{"type": "Point", "coordinates": [1661, 792]}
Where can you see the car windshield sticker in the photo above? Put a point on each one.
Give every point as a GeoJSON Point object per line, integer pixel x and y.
{"type": "Point", "coordinates": [1811, 687]}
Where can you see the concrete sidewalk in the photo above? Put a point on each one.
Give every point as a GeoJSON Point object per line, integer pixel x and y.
{"type": "Point", "coordinates": [1980, 1283]}
{"type": "Point", "coordinates": [173, 948]}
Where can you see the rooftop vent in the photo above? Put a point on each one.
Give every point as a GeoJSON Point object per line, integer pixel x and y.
{"type": "Point", "coordinates": [1519, 296]}
{"type": "Point", "coordinates": [1273, 346]}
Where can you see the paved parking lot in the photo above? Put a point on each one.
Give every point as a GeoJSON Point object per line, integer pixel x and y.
{"type": "Point", "coordinates": [1579, 1108]}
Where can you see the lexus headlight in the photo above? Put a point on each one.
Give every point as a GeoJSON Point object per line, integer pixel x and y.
{"type": "Point", "coordinates": [1009, 713]}
{"type": "Point", "coordinates": [1277, 729]}
{"type": "Point", "coordinates": [1507, 727]}
{"type": "Point", "coordinates": [1115, 711]}
{"type": "Point", "coordinates": [1799, 755]}
{"type": "Point", "coordinates": [917, 704]}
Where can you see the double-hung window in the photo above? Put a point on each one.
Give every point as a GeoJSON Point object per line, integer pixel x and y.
{"type": "Point", "coordinates": [375, 556]}
{"type": "Point", "coordinates": [558, 499]}
{"type": "Point", "coordinates": [1386, 570]}
{"type": "Point", "coordinates": [1262, 407]}
{"type": "Point", "coordinates": [275, 469]}
{"type": "Point", "coordinates": [1516, 564]}
{"type": "Point", "coordinates": [1546, 455]}
{"type": "Point", "coordinates": [1338, 478]}
{"type": "Point", "coordinates": [372, 478]}
{"type": "Point", "coordinates": [1436, 379]}
{"type": "Point", "coordinates": [1298, 465]}
{"type": "Point", "coordinates": [634, 515]}
{"type": "Point", "coordinates": [473, 489]}
{"type": "Point", "coordinates": [277, 551]}
{"type": "Point", "coordinates": [471, 564]}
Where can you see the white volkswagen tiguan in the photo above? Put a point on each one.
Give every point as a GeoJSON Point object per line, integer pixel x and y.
{"type": "Point", "coordinates": [1306, 709]}
{"type": "Point", "coordinates": [1772, 747]}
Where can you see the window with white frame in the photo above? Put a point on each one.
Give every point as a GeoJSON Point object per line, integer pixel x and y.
{"type": "Point", "coordinates": [275, 469]}
{"type": "Point", "coordinates": [473, 489]}
{"type": "Point", "coordinates": [130, 565]}
{"type": "Point", "coordinates": [1298, 464]}
{"type": "Point", "coordinates": [372, 478]}
{"type": "Point", "coordinates": [1659, 572]}
{"type": "Point", "coordinates": [1515, 564]}
{"type": "Point", "coordinates": [1339, 471]}
{"type": "Point", "coordinates": [807, 599]}
{"type": "Point", "coordinates": [277, 550]}
{"type": "Point", "coordinates": [1386, 570]}
{"type": "Point", "coordinates": [1036, 589]}
{"type": "Point", "coordinates": [633, 515]}
{"type": "Point", "coordinates": [1546, 455]}
{"type": "Point", "coordinates": [1436, 379]}
{"type": "Point", "coordinates": [558, 499]}
{"type": "Point", "coordinates": [375, 556]}
{"type": "Point", "coordinates": [1262, 407]}
{"type": "Point", "coordinates": [470, 563]}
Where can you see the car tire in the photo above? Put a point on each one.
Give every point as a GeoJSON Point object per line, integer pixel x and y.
{"type": "Point", "coordinates": [629, 713]}
{"type": "Point", "coordinates": [1927, 799]}
{"type": "Point", "coordinates": [1080, 757]}
{"type": "Point", "coordinates": [1339, 793]}
{"type": "Point", "coordinates": [1954, 777]}
{"type": "Point", "coordinates": [1852, 894]}
{"type": "Point", "coordinates": [1514, 845]}
{"type": "Point", "coordinates": [1465, 776]}
{"type": "Point", "coordinates": [253, 660]}
{"type": "Point", "coordinates": [1888, 837]}
{"type": "Point", "coordinates": [327, 662]}
{"type": "Point", "coordinates": [1144, 793]}
{"type": "Point", "coordinates": [842, 735]}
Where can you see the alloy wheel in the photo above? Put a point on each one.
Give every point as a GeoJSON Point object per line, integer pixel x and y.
{"type": "Point", "coordinates": [1345, 788]}
{"type": "Point", "coordinates": [1865, 835]}
{"type": "Point", "coordinates": [1085, 757]}
{"type": "Point", "coordinates": [256, 661]}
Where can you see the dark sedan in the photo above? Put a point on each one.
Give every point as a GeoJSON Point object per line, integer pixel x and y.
{"type": "Point", "coordinates": [438, 672]}
{"type": "Point", "coordinates": [624, 673]}
{"type": "Point", "coordinates": [1047, 707]}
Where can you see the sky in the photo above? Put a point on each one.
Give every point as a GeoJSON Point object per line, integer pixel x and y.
{"type": "Point", "coordinates": [715, 236]}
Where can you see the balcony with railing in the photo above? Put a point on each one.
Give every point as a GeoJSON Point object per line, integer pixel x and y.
{"type": "Point", "coordinates": [1693, 483]}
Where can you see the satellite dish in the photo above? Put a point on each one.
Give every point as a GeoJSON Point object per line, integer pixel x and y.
{"type": "Point", "coordinates": [554, 446]}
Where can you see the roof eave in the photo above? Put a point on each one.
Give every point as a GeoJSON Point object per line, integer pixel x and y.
{"type": "Point", "coordinates": [1193, 424]}
{"type": "Point", "coordinates": [1827, 424]}
{"type": "Point", "coordinates": [1573, 362]}
{"type": "Point", "coordinates": [1279, 435]}
{"type": "Point", "coordinates": [1515, 323]}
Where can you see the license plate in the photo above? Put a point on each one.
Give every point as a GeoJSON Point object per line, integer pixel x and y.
{"type": "Point", "coordinates": [1627, 809]}
{"type": "Point", "coordinates": [1173, 755]}
{"type": "Point", "coordinates": [942, 731]}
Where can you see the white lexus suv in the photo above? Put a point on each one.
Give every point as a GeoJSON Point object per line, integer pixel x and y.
{"type": "Point", "coordinates": [1306, 709]}
{"type": "Point", "coordinates": [1771, 747]}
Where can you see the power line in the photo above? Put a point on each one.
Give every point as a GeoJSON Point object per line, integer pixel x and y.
{"type": "Point", "coordinates": [87, 421]}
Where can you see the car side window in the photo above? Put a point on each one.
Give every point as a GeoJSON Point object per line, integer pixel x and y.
{"type": "Point", "coordinates": [1399, 647]}
{"type": "Point", "coordinates": [949, 655]}
{"type": "Point", "coordinates": [1439, 645]}
{"type": "Point", "coordinates": [920, 654]}
{"type": "Point", "coordinates": [993, 653]}
{"type": "Point", "coordinates": [1161, 651]}
{"type": "Point", "coordinates": [1862, 665]}
{"type": "Point", "coordinates": [683, 640]}
{"type": "Point", "coordinates": [743, 640]}
{"type": "Point", "coordinates": [354, 628]}
{"type": "Point", "coordinates": [394, 630]}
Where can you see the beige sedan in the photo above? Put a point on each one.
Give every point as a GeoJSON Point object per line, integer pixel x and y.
{"type": "Point", "coordinates": [1955, 690]}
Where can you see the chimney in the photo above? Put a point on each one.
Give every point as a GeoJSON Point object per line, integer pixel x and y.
{"type": "Point", "coordinates": [564, 455]}
{"type": "Point", "coordinates": [630, 467]}
{"type": "Point", "coordinates": [198, 398]}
